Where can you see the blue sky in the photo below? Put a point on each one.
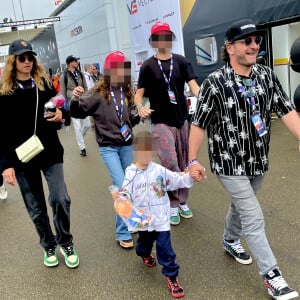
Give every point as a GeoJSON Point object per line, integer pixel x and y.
{"type": "Point", "coordinates": [32, 9]}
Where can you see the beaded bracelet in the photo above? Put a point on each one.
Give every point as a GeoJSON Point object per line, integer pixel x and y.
{"type": "Point", "coordinates": [192, 162]}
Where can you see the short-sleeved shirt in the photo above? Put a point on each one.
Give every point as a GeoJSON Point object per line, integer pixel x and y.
{"type": "Point", "coordinates": [235, 147]}
{"type": "Point", "coordinates": [156, 89]}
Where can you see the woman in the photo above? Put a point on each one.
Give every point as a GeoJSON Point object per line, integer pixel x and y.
{"type": "Point", "coordinates": [25, 88]}
{"type": "Point", "coordinates": [109, 103]}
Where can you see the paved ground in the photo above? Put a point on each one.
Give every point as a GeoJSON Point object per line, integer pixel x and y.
{"type": "Point", "coordinates": [108, 272]}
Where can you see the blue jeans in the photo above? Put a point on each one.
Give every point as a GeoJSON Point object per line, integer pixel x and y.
{"type": "Point", "coordinates": [164, 251]}
{"type": "Point", "coordinates": [245, 217]}
{"type": "Point", "coordinates": [116, 160]}
{"type": "Point", "coordinates": [31, 186]}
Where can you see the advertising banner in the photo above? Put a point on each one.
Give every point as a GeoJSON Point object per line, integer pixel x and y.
{"type": "Point", "coordinates": [142, 15]}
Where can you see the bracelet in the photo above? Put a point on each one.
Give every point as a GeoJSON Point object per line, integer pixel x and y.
{"type": "Point", "coordinates": [192, 162]}
{"type": "Point", "coordinates": [139, 106]}
{"type": "Point", "coordinates": [74, 98]}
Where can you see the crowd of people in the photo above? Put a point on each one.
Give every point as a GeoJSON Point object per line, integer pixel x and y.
{"type": "Point", "coordinates": [234, 107]}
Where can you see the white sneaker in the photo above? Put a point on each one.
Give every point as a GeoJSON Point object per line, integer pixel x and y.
{"type": "Point", "coordinates": [3, 192]}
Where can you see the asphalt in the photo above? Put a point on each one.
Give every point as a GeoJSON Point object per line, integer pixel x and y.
{"type": "Point", "coordinates": [109, 272]}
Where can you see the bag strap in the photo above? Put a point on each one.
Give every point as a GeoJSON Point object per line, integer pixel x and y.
{"type": "Point", "coordinates": [36, 108]}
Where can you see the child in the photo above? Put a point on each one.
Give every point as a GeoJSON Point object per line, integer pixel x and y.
{"type": "Point", "coordinates": [148, 183]}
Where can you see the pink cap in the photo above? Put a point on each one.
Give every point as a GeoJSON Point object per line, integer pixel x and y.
{"type": "Point", "coordinates": [113, 58]}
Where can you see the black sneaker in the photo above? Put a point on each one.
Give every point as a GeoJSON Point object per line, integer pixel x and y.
{"type": "Point", "coordinates": [175, 287]}
{"type": "Point", "coordinates": [277, 286]}
{"type": "Point", "coordinates": [237, 251]}
{"type": "Point", "coordinates": [83, 152]}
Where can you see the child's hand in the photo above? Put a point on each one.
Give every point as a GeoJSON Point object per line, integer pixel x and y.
{"type": "Point", "coordinates": [114, 195]}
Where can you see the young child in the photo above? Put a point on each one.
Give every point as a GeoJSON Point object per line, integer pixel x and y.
{"type": "Point", "coordinates": [148, 183]}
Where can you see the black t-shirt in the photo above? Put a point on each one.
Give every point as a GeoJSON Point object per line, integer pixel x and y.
{"type": "Point", "coordinates": [156, 89]}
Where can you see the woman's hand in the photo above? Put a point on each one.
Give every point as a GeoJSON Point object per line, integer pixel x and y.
{"type": "Point", "coordinates": [54, 117]}
{"type": "Point", "coordinates": [78, 91]}
{"type": "Point", "coordinates": [9, 176]}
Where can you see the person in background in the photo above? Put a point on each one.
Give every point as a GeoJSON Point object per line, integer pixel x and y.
{"type": "Point", "coordinates": [3, 190]}
{"type": "Point", "coordinates": [162, 78]}
{"type": "Point", "coordinates": [89, 75]}
{"type": "Point", "coordinates": [69, 79]}
{"type": "Point", "coordinates": [148, 183]}
{"type": "Point", "coordinates": [24, 90]}
{"type": "Point", "coordinates": [235, 106]}
{"type": "Point", "coordinates": [96, 74]}
{"type": "Point", "coordinates": [109, 104]}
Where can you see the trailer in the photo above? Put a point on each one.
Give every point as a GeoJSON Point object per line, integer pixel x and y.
{"type": "Point", "coordinates": [204, 31]}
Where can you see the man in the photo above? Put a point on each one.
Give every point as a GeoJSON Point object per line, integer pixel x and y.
{"type": "Point", "coordinates": [162, 78]}
{"type": "Point", "coordinates": [235, 106]}
{"type": "Point", "coordinates": [69, 79]}
{"type": "Point", "coordinates": [89, 75]}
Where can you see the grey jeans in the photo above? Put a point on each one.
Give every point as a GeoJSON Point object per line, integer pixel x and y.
{"type": "Point", "coordinates": [31, 186]}
{"type": "Point", "coordinates": [245, 218]}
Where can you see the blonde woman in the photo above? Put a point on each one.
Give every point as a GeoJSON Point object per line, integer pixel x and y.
{"type": "Point", "coordinates": [25, 88]}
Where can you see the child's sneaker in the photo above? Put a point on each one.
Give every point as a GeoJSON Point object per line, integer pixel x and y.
{"type": "Point", "coordinates": [3, 191]}
{"type": "Point", "coordinates": [70, 255]}
{"type": "Point", "coordinates": [149, 261]}
{"type": "Point", "coordinates": [126, 244]}
{"type": "Point", "coordinates": [50, 258]}
{"type": "Point", "coordinates": [237, 251]}
{"type": "Point", "coordinates": [174, 218]}
{"type": "Point", "coordinates": [175, 287]}
{"type": "Point", "coordinates": [185, 211]}
{"type": "Point", "coordinates": [277, 286]}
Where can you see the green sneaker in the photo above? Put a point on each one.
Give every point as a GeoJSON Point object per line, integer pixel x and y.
{"type": "Point", "coordinates": [70, 255]}
{"type": "Point", "coordinates": [174, 218]}
{"type": "Point", "coordinates": [50, 258]}
{"type": "Point", "coordinates": [185, 212]}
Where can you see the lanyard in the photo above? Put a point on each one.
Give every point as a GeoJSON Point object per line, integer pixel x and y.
{"type": "Point", "coordinates": [245, 93]}
{"type": "Point", "coordinates": [167, 80]}
{"type": "Point", "coordinates": [118, 111]}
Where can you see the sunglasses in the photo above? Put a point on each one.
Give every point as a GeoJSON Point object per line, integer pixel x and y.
{"type": "Point", "coordinates": [23, 58]}
{"type": "Point", "coordinates": [248, 41]}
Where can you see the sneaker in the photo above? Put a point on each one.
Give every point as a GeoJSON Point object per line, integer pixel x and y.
{"type": "Point", "coordinates": [174, 218]}
{"type": "Point", "coordinates": [70, 255]}
{"type": "Point", "coordinates": [185, 212]}
{"type": "Point", "coordinates": [127, 244]}
{"type": "Point", "coordinates": [83, 152]}
{"type": "Point", "coordinates": [50, 258]}
{"type": "Point", "coordinates": [149, 261]}
{"type": "Point", "coordinates": [277, 286]}
{"type": "Point", "coordinates": [237, 251]}
{"type": "Point", "coordinates": [3, 192]}
{"type": "Point", "coordinates": [175, 287]}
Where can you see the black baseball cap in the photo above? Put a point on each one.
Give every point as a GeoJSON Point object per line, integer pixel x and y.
{"type": "Point", "coordinates": [71, 58]}
{"type": "Point", "coordinates": [240, 29]}
{"type": "Point", "coordinates": [19, 47]}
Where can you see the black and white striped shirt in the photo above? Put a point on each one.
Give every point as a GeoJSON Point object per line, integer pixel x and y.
{"type": "Point", "coordinates": [234, 145]}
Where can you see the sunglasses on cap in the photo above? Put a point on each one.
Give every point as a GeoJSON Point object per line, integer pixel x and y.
{"type": "Point", "coordinates": [22, 58]}
{"type": "Point", "coordinates": [247, 41]}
